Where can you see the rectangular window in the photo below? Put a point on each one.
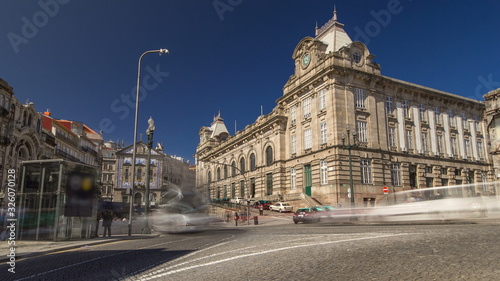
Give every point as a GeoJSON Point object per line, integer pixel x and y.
{"type": "Point", "coordinates": [242, 189]}
{"type": "Point", "coordinates": [425, 143]}
{"type": "Point", "coordinates": [269, 183]}
{"type": "Point", "coordinates": [233, 190]}
{"type": "Point", "coordinates": [467, 148]}
{"type": "Point", "coordinates": [454, 146]}
{"type": "Point", "coordinates": [307, 107]}
{"type": "Point", "coordinates": [392, 137]}
{"type": "Point", "coordinates": [293, 114]}
{"type": "Point", "coordinates": [323, 133]}
{"type": "Point", "coordinates": [476, 124]}
{"type": "Point", "coordinates": [322, 99]}
{"type": "Point", "coordinates": [421, 108]}
{"type": "Point", "coordinates": [406, 109]}
{"type": "Point", "coordinates": [359, 98]}
{"type": "Point", "coordinates": [293, 144]}
{"type": "Point", "coordinates": [388, 105]}
{"type": "Point", "coordinates": [464, 122]}
{"type": "Point", "coordinates": [293, 177]}
{"type": "Point", "coordinates": [480, 149]}
{"type": "Point", "coordinates": [396, 174]}
{"type": "Point", "coordinates": [483, 180]}
{"type": "Point", "coordinates": [323, 172]}
{"type": "Point", "coordinates": [307, 139]}
{"type": "Point", "coordinates": [409, 139]}
{"type": "Point", "coordinates": [436, 114]}
{"type": "Point", "coordinates": [440, 144]}
{"type": "Point", "coordinates": [366, 171]}
{"type": "Point", "coordinates": [362, 131]}
{"type": "Point", "coordinates": [452, 118]}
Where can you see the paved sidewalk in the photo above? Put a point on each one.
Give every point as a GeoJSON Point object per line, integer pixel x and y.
{"type": "Point", "coordinates": [24, 249]}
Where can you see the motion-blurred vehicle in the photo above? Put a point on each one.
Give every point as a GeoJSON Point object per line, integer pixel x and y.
{"type": "Point", "coordinates": [182, 223]}
{"type": "Point", "coordinates": [265, 204]}
{"type": "Point", "coordinates": [281, 207]}
{"type": "Point", "coordinates": [307, 215]}
{"type": "Point", "coordinates": [432, 204]}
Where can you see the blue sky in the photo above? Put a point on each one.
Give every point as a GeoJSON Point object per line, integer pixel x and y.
{"type": "Point", "coordinates": [79, 58]}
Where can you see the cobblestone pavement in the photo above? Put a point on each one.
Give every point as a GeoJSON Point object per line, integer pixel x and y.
{"type": "Point", "coordinates": [284, 252]}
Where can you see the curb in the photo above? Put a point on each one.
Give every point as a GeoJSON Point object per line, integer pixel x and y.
{"type": "Point", "coordinates": [4, 258]}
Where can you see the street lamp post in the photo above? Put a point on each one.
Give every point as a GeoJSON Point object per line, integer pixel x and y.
{"type": "Point", "coordinates": [349, 147]}
{"type": "Point", "coordinates": [149, 132]}
{"type": "Point", "coordinates": [160, 51]}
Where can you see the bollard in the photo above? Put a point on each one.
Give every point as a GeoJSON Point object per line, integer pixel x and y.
{"type": "Point", "coordinates": [256, 220]}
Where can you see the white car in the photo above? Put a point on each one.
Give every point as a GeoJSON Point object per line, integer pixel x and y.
{"type": "Point", "coordinates": [281, 207]}
{"type": "Point", "coordinates": [238, 200]}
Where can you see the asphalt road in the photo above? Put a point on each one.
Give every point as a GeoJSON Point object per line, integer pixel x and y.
{"type": "Point", "coordinates": [284, 252]}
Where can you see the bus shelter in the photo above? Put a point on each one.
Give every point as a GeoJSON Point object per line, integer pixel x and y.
{"type": "Point", "coordinates": [57, 200]}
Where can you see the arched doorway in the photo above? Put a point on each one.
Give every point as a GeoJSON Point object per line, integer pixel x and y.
{"type": "Point", "coordinates": [137, 199]}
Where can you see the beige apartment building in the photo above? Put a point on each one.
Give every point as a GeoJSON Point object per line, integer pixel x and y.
{"type": "Point", "coordinates": [400, 135]}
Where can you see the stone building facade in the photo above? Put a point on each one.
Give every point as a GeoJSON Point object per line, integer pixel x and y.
{"type": "Point", "coordinates": [404, 135]}
{"type": "Point", "coordinates": [492, 100]}
{"type": "Point", "coordinates": [21, 134]}
{"type": "Point", "coordinates": [166, 172]}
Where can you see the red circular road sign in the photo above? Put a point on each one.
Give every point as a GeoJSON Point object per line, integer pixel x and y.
{"type": "Point", "coordinates": [385, 189]}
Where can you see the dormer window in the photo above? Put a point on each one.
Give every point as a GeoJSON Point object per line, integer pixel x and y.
{"type": "Point", "coordinates": [356, 57]}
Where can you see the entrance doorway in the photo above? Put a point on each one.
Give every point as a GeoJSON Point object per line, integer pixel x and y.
{"type": "Point", "coordinates": [307, 180]}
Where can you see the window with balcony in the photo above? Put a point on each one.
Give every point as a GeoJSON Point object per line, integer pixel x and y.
{"type": "Point", "coordinates": [389, 105]}
{"type": "Point", "coordinates": [406, 109]}
{"type": "Point", "coordinates": [293, 114]}
{"type": "Point", "coordinates": [421, 109]}
{"type": "Point", "coordinates": [306, 107]}
{"type": "Point", "coordinates": [362, 131]}
{"type": "Point", "coordinates": [359, 98]}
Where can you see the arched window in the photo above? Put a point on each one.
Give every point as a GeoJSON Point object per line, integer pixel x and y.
{"type": "Point", "coordinates": [225, 171]}
{"type": "Point", "coordinates": [252, 162]}
{"type": "Point", "coordinates": [269, 156]}
{"type": "Point", "coordinates": [242, 165]}
{"type": "Point", "coordinates": [209, 177]}
{"type": "Point", "coordinates": [218, 174]}
{"type": "Point", "coordinates": [233, 169]}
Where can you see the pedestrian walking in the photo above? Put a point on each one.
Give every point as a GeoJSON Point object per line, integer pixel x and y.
{"type": "Point", "coordinates": [228, 216]}
{"type": "Point", "coordinates": [236, 218]}
{"type": "Point", "coordinates": [107, 219]}
{"type": "Point", "coordinates": [98, 219]}
{"type": "Point", "coordinates": [261, 210]}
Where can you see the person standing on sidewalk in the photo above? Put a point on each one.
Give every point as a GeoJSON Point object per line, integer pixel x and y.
{"type": "Point", "coordinates": [236, 218]}
{"type": "Point", "coordinates": [107, 219]}
{"type": "Point", "coordinates": [261, 210]}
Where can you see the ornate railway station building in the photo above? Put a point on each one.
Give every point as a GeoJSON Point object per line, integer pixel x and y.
{"type": "Point", "coordinates": [401, 135]}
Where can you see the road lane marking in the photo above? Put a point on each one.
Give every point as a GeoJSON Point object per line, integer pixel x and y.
{"type": "Point", "coordinates": [180, 257]}
{"type": "Point", "coordinates": [150, 276]}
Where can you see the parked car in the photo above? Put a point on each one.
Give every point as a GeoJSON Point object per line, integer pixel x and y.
{"type": "Point", "coordinates": [238, 200]}
{"type": "Point", "coordinates": [281, 207]}
{"type": "Point", "coordinates": [264, 203]}
{"type": "Point", "coordinates": [306, 215]}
